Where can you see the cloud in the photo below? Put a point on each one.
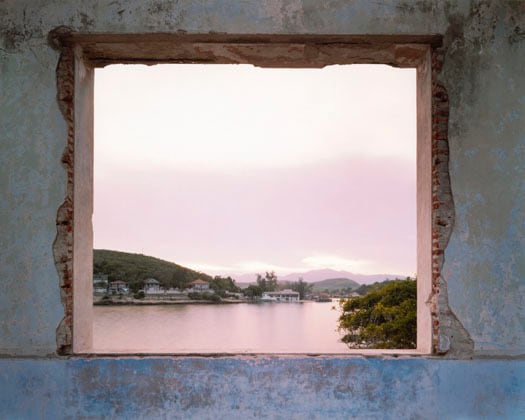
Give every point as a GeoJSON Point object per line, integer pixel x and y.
{"type": "Point", "coordinates": [260, 266]}
{"type": "Point", "coordinates": [356, 266]}
{"type": "Point", "coordinates": [314, 262]}
{"type": "Point", "coordinates": [336, 262]}
{"type": "Point", "coordinates": [242, 267]}
{"type": "Point", "coordinates": [205, 267]}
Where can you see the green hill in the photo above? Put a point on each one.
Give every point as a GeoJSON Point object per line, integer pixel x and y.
{"type": "Point", "coordinates": [331, 285]}
{"type": "Point", "coordinates": [367, 288]}
{"type": "Point", "coordinates": [135, 268]}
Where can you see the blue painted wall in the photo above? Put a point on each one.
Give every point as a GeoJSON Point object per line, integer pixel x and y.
{"type": "Point", "coordinates": [262, 388]}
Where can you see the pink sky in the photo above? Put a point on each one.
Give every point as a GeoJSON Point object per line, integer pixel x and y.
{"type": "Point", "coordinates": [235, 169]}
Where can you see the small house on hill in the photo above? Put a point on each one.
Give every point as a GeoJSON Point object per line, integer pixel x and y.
{"type": "Point", "coordinates": [100, 279]}
{"type": "Point", "coordinates": [118, 286]}
{"type": "Point", "coordinates": [151, 285]}
{"type": "Point", "coordinates": [200, 285]}
{"type": "Point", "coordinates": [100, 283]}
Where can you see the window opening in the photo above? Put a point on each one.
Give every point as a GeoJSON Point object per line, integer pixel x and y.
{"type": "Point", "coordinates": [234, 171]}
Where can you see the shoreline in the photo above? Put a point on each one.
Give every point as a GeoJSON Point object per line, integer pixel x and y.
{"type": "Point", "coordinates": [145, 302]}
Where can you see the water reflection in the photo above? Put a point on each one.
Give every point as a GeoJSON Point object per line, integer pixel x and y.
{"type": "Point", "coordinates": [308, 327]}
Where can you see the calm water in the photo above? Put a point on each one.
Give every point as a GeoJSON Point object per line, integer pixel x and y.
{"type": "Point", "coordinates": [266, 327]}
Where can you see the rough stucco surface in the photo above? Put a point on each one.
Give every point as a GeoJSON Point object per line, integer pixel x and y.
{"type": "Point", "coordinates": [31, 183]}
{"type": "Point", "coordinates": [262, 388]}
{"type": "Point", "coordinates": [484, 269]}
{"type": "Point", "coordinates": [485, 258]}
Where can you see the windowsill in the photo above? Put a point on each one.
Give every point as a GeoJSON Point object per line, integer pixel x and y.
{"type": "Point", "coordinates": [376, 353]}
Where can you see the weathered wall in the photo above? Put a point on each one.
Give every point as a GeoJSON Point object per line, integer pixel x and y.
{"type": "Point", "coordinates": [263, 388]}
{"type": "Point", "coordinates": [484, 270]}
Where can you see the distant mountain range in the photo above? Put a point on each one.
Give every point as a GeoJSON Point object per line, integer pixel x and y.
{"type": "Point", "coordinates": [314, 276]}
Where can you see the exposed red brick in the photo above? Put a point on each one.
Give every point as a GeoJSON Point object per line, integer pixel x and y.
{"type": "Point", "coordinates": [442, 202]}
{"type": "Point", "coordinates": [63, 244]}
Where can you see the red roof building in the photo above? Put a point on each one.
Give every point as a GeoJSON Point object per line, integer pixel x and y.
{"type": "Point", "coordinates": [200, 285]}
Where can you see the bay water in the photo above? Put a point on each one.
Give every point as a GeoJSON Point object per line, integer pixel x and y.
{"type": "Point", "coordinates": [308, 327]}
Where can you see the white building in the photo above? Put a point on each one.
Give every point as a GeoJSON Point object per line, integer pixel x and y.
{"type": "Point", "coordinates": [200, 285]}
{"type": "Point", "coordinates": [100, 283]}
{"type": "Point", "coordinates": [151, 286]}
{"type": "Point", "coordinates": [286, 295]}
{"type": "Point", "coordinates": [119, 286]}
{"type": "Point", "coordinates": [100, 278]}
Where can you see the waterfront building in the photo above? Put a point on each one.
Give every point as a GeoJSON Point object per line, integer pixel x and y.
{"type": "Point", "coordinates": [286, 295]}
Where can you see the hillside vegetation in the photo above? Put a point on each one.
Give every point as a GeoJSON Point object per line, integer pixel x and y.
{"type": "Point", "coordinates": [367, 288]}
{"type": "Point", "coordinates": [135, 268]}
{"type": "Point", "coordinates": [331, 285]}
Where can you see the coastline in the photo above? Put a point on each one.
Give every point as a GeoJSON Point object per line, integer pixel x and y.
{"type": "Point", "coordinates": [145, 302]}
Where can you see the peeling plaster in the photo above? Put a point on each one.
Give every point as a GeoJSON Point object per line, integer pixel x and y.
{"type": "Point", "coordinates": [486, 126]}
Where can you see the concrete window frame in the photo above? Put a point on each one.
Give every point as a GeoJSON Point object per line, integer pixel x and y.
{"type": "Point", "coordinates": [81, 53]}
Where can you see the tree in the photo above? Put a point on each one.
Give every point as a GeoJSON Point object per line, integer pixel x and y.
{"type": "Point", "coordinates": [179, 279]}
{"type": "Point", "coordinates": [366, 288]}
{"type": "Point", "coordinates": [221, 284]}
{"type": "Point", "coordinates": [135, 286]}
{"type": "Point", "coordinates": [384, 318]}
{"type": "Point", "coordinates": [253, 291]}
{"type": "Point", "coordinates": [302, 287]}
{"type": "Point", "coordinates": [268, 283]}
